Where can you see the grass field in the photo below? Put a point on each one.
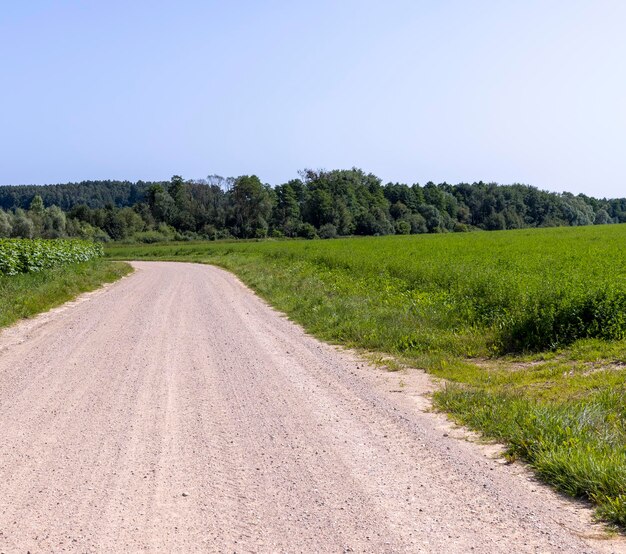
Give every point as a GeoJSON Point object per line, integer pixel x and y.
{"type": "Point", "coordinates": [528, 328]}
{"type": "Point", "coordinates": [27, 294]}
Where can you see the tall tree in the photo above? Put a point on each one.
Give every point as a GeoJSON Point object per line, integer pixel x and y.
{"type": "Point", "coordinates": [251, 207]}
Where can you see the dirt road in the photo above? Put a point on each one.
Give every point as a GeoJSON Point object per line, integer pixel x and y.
{"type": "Point", "coordinates": [175, 412]}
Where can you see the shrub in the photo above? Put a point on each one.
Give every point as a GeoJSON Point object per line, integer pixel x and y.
{"type": "Point", "coordinates": [150, 237]}
{"type": "Point", "coordinates": [328, 231]}
{"type": "Point", "coordinates": [307, 231]}
{"type": "Point", "coordinates": [403, 227]}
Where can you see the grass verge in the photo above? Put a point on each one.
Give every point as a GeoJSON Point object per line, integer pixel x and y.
{"type": "Point", "coordinates": [563, 410]}
{"type": "Point", "coordinates": [28, 294]}
{"type": "Point", "coordinates": [578, 447]}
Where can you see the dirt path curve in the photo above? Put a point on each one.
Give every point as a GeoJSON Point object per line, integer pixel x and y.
{"type": "Point", "coordinates": [175, 412]}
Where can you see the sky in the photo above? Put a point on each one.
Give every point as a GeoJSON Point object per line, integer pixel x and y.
{"type": "Point", "coordinates": [521, 91]}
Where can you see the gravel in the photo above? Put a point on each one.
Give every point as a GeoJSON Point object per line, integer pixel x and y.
{"type": "Point", "coordinates": [174, 411]}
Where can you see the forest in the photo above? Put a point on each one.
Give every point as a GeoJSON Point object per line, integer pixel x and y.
{"type": "Point", "coordinates": [318, 204]}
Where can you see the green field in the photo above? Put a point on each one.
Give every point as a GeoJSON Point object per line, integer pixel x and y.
{"type": "Point", "coordinates": [528, 328]}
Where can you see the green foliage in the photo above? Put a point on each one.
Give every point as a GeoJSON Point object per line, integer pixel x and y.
{"type": "Point", "coordinates": [328, 231]}
{"type": "Point", "coordinates": [403, 228]}
{"type": "Point", "coordinates": [521, 291]}
{"type": "Point", "coordinates": [29, 255]}
{"type": "Point", "coordinates": [37, 206]}
{"type": "Point", "coordinates": [352, 201]}
{"type": "Point", "coordinates": [22, 225]}
{"type": "Point", "coordinates": [95, 194]}
{"type": "Point", "coordinates": [150, 237]}
{"type": "Point", "coordinates": [5, 225]}
{"type": "Point", "coordinates": [251, 207]}
{"type": "Point", "coordinates": [579, 447]}
{"type": "Point", "coordinates": [27, 294]}
{"type": "Point", "coordinates": [307, 231]}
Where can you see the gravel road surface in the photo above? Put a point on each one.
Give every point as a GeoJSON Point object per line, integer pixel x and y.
{"type": "Point", "coordinates": [174, 411]}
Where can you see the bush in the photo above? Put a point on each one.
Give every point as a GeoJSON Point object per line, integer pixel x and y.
{"type": "Point", "coordinates": [149, 237]}
{"type": "Point", "coordinates": [328, 231]}
{"type": "Point", "coordinates": [208, 232]}
{"type": "Point", "coordinates": [167, 231]}
{"type": "Point", "coordinates": [403, 227]}
{"type": "Point", "coordinates": [307, 231]}
{"type": "Point", "coordinates": [99, 235]}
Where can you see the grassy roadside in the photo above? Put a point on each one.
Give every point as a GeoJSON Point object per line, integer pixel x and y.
{"type": "Point", "coordinates": [28, 294]}
{"type": "Point", "coordinates": [563, 409]}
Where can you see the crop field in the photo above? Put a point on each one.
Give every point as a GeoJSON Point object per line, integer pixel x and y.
{"type": "Point", "coordinates": [29, 255]}
{"type": "Point", "coordinates": [38, 274]}
{"type": "Point", "coordinates": [528, 328]}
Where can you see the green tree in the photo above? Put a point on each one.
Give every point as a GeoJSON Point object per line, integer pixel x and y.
{"type": "Point", "coordinates": [399, 210]}
{"type": "Point", "coordinates": [251, 207]}
{"type": "Point", "coordinates": [286, 213]}
{"type": "Point", "coordinates": [22, 226]}
{"type": "Point", "coordinates": [495, 222]}
{"type": "Point", "coordinates": [417, 223]}
{"type": "Point", "coordinates": [181, 216]}
{"type": "Point", "coordinates": [161, 204]}
{"type": "Point", "coordinates": [5, 224]}
{"type": "Point", "coordinates": [602, 217]}
{"type": "Point", "coordinates": [432, 218]}
{"type": "Point", "coordinates": [37, 206]}
{"type": "Point", "coordinates": [54, 223]}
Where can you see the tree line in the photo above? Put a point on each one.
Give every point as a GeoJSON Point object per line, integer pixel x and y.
{"type": "Point", "coordinates": [319, 203]}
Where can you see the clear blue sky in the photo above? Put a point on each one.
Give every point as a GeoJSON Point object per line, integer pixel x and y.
{"type": "Point", "coordinates": [509, 91]}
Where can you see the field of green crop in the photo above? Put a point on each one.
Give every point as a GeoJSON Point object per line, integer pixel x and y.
{"type": "Point", "coordinates": [528, 328]}
{"type": "Point", "coordinates": [28, 255]}
{"type": "Point", "coordinates": [38, 274]}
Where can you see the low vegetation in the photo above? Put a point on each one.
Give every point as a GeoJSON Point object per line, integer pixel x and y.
{"type": "Point", "coordinates": [29, 255]}
{"type": "Point", "coordinates": [464, 295]}
{"type": "Point", "coordinates": [577, 445]}
{"type": "Point", "coordinates": [528, 327]}
{"type": "Point", "coordinates": [27, 294]}
{"type": "Point", "coordinates": [38, 274]}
